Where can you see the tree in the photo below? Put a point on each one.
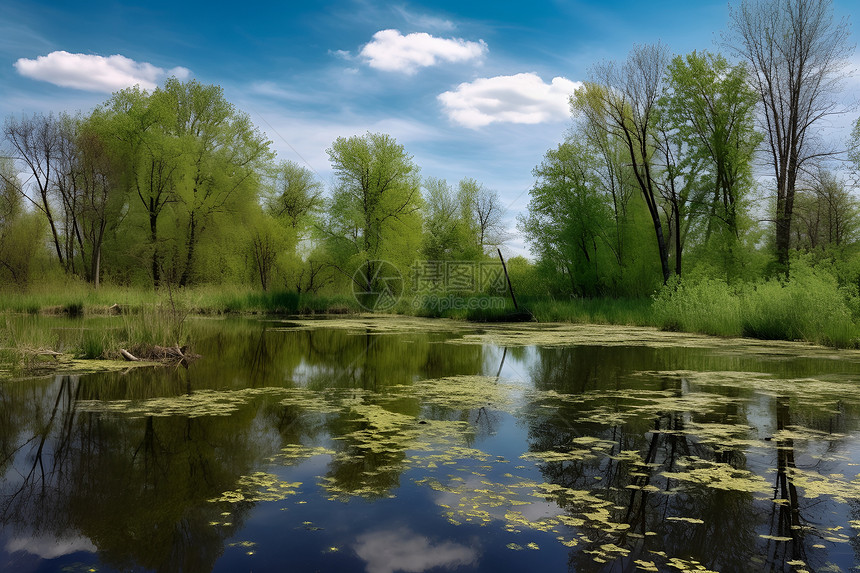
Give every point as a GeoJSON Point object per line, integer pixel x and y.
{"type": "Point", "coordinates": [622, 101]}
{"type": "Point", "coordinates": [826, 214]}
{"type": "Point", "coordinates": [796, 53]}
{"type": "Point", "coordinates": [569, 224]}
{"type": "Point", "coordinates": [35, 143]}
{"type": "Point", "coordinates": [21, 232]}
{"type": "Point", "coordinates": [484, 207]}
{"type": "Point", "coordinates": [222, 157]}
{"type": "Point", "coordinates": [293, 195]}
{"type": "Point", "coordinates": [291, 202]}
{"type": "Point", "coordinates": [135, 126]}
{"type": "Point", "coordinates": [375, 209]}
{"type": "Point", "coordinates": [712, 107]}
{"type": "Point", "coordinates": [451, 229]}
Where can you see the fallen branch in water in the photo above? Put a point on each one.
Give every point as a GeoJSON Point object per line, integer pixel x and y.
{"type": "Point", "coordinates": [160, 353]}
{"type": "Point", "coordinates": [128, 355]}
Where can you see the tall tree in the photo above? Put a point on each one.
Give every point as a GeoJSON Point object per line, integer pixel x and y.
{"type": "Point", "coordinates": [374, 211]}
{"type": "Point", "coordinates": [826, 213]}
{"type": "Point", "coordinates": [569, 223]}
{"type": "Point", "coordinates": [484, 208]}
{"type": "Point", "coordinates": [282, 239]}
{"type": "Point", "coordinates": [622, 101]}
{"type": "Point", "coordinates": [35, 143]}
{"type": "Point", "coordinates": [710, 104]}
{"type": "Point", "coordinates": [222, 157]}
{"type": "Point", "coordinates": [139, 141]}
{"type": "Point", "coordinates": [21, 232]}
{"type": "Point", "coordinates": [796, 53]}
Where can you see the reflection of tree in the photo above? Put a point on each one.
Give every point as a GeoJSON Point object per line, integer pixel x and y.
{"type": "Point", "coordinates": [137, 488]}
{"type": "Point", "coordinates": [785, 516]}
{"type": "Point", "coordinates": [645, 511]}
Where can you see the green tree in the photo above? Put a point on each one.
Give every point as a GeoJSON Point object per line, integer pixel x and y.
{"type": "Point", "coordinates": [450, 229]}
{"type": "Point", "coordinates": [135, 123]}
{"type": "Point", "coordinates": [569, 224]}
{"type": "Point", "coordinates": [482, 210]}
{"type": "Point", "coordinates": [222, 157]}
{"type": "Point", "coordinates": [711, 110]}
{"type": "Point", "coordinates": [827, 215]}
{"type": "Point", "coordinates": [622, 102]}
{"type": "Point", "coordinates": [21, 232]}
{"type": "Point", "coordinates": [374, 212]}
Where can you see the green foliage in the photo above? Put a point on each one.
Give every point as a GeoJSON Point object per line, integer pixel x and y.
{"type": "Point", "coordinates": [708, 306]}
{"type": "Point", "coordinates": [450, 230]}
{"type": "Point", "coordinates": [568, 223]}
{"type": "Point", "coordinates": [21, 233]}
{"type": "Point", "coordinates": [809, 306]}
{"type": "Point", "coordinates": [598, 310]}
{"type": "Point", "coordinates": [375, 209]}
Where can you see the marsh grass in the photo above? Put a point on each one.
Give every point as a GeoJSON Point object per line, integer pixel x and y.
{"type": "Point", "coordinates": [625, 311]}
{"type": "Point", "coordinates": [810, 307]}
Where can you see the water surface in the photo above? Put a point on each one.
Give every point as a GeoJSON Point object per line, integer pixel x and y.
{"type": "Point", "coordinates": [385, 445]}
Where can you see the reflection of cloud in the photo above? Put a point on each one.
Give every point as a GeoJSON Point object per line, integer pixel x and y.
{"type": "Point", "coordinates": [49, 547]}
{"type": "Point", "coordinates": [95, 73]}
{"type": "Point", "coordinates": [403, 550]}
{"type": "Point", "coordinates": [393, 52]}
{"type": "Point", "coordinates": [521, 98]}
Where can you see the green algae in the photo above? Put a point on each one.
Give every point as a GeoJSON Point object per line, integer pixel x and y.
{"type": "Point", "coordinates": [258, 487]}
{"type": "Point", "coordinates": [717, 475]}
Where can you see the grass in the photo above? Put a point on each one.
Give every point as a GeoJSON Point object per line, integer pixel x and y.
{"type": "Point", "coordinates": [625, 311]}
{"type": "Point", "coordinates": [810, 307]}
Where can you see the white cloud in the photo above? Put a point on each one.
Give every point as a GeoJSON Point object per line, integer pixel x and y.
{"type": "Point", "coordinates": [403, 550]}
{"type": "Point", "coordinates": [393, 52]}
{"type": "Point", "coordinates": [521, 98]}
{"type": "Point", "coordinates": [95, 73]}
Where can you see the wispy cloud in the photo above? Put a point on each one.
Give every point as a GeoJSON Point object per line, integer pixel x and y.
{"type": "Point", "coordinates": [393, 52]}
{"type": "Point", "coordinates": [425, 21]}
{"type": "Point", "coordinates": [521, 98]}
{"type": "Point", "coordinates": [95, 73]}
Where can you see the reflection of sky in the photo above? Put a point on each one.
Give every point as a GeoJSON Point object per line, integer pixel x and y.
{"type": "Point", "coordinates": [392, 550]}
{"type": "Point", "coordinates": [50, 547]}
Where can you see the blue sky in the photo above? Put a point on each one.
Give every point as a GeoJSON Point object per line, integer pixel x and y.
{"type": "Point", "coordinates": [471, 89]}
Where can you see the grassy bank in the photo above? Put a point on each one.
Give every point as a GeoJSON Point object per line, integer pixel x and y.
{"type": "Point", "coordinates": [811, 307]}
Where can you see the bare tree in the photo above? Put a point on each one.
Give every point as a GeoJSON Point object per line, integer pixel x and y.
{"type": "Point", "coordinates": [622, 100]}
{"type": "Point", "coordinates": [34, 142]}
{"type": "Point", "coordinates": [796, 54]}
{"type": "Point", "coordinates": [825, 213]}
{"type": "Point", "coordinates": [486, 211]}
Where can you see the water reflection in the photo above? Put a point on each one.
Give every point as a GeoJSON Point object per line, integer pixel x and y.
{"type": "Point", "coordinates": [677, 479]}
{"type": "Point", "coordinates": [390, 550]}
{"type": "Point", "coordinates": [484, 457]}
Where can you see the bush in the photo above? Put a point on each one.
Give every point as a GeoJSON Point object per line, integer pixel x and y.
{"type": "Point", "coordinates": [708, 306]}
{"type": "Point", "coordinates": [809, 306]}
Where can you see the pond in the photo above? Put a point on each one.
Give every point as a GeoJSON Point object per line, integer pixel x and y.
{"type": "Point", "coordinates": [390, 444]}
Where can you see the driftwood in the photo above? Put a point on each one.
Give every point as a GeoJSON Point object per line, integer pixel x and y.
{"type": "Point", "coordinates": [128, 355]}
{"type": "Point", "coordinates": [161, 353]}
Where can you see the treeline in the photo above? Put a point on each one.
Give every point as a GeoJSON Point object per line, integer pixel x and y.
{"type": "Point", "coordinates": [178, 188]}
{"type": "Point", "coordinates": [697, 166]}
